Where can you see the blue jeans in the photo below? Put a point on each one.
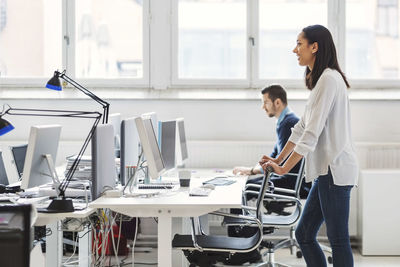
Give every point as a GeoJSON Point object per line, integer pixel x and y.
{"type": "Point", "coordinates": [330, 203]}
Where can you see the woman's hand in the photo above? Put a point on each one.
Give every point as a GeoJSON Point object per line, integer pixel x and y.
{"type": "Point", "coordinates": [280, 170]}
{"type": "Point", "coordinates": [266, 158]}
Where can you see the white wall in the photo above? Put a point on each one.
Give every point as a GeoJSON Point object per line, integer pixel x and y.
{"type": "Point", "coordinates": [241, 120]}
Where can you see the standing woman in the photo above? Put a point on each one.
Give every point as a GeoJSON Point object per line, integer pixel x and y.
{"type": "Point", "coordinates": [323, 137]}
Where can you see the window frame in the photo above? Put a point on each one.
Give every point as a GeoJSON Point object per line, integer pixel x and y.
{"type": "Point", "coordinates": [177, 82]}
{"type": "Point", "coordinates": [160, 53]}
{"type": "Point", "coordinates": [68, 56]}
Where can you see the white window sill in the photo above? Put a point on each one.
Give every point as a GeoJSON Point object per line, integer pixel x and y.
{"type": "Point", "coordinates": [181, 94]}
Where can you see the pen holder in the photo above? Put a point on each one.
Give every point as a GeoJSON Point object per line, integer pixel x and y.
{"type": "Point", "coordinates": [184, 178]}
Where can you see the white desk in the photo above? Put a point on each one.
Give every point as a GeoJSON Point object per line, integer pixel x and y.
{"type": "Point", "coordinates": [177, 204]}
{"type": "Point", "coordinates": [54, 242]}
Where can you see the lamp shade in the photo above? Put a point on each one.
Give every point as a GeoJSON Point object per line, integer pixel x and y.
{"type": "Point", "coordinates": [54, 83]}
{"type": "Point", "coordinates": [5, 126]}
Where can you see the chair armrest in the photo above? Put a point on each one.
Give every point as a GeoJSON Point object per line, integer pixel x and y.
{"type": "Point", "coordinates": [285, 190]}
{"type": "Point", "coordinates": [218, 213]}
{"type": "Point", "coordinates": [283, 197]}
{"type": "Point", "coordinates": [240, 216]}
{"type": "Point", "coordinates": [249, 208]}
{"type": "Point", "coordinates": [255, 186]}
{"type": "Point", "coordinates": [250, 192]}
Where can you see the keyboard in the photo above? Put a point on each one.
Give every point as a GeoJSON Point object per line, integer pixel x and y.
{"type": "Point", "coordinates": [156, 186]}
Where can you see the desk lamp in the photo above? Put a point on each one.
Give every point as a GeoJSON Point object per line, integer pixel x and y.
{"type": "Point", "coordinates": [55, 84]}
{"type": "Point", "coordinates": [60, 204]}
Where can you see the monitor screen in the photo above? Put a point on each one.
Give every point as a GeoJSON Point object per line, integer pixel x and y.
{"type": "Point", "coordinates": [154, 121]}
{"type": "Point", "coordinates": [3, 173]}
{"type": "Point", "coordinates": [19, 154]}
{"type": "Point", "coordinates": [115, 120]}
{"type": "Point", "coordinates": [103, 160]}
{"type": "Point", "coordinates": [42, 140]}
{"type": "Point", "coordinates": [166, 140]}
{"type": "Point", "coordinates": [129, 147]}
{"type": "Point", "coordinates": [149, 144]}
{"type": "Point", "coordinates": [182, 153]}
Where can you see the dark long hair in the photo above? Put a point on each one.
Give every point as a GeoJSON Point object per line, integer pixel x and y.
{"type": "Point", "coordinates": [325, 56]}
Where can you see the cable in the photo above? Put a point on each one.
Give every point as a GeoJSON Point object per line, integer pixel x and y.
{"type": "Point", "coordinates": [73, 253]}
{"type": "Point", "coordinates": [113, 242]}
{"type": "Point", "coordinates": [134, 239]}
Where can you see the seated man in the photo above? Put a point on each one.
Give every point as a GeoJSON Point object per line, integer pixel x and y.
{"type": "Point", "coordinates": [275, 105]}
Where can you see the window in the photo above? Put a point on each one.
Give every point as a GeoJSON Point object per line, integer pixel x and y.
{"type": "Point", "coordinates": [212, 39]}
{"type": "Point", "coordinates": [109, 39]}
{"type": "Point", "coordinates": [280, 21]}
{"type": "Point", "coordinates": [372, 39]}
{"type": "Point", "coordinates": [193, 43]}
{"type": "Point", "coordinates": [387, 18]}
{"type": "Point", "coordinates": [30, 38]}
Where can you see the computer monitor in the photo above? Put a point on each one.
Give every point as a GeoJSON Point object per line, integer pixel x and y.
{"type": "Point", "coordinates": [181, 146]}
{"type": "Point", "coordinates": [43, 140]}
{"type": "Point", "coordinates": [115, 120]}
{"type": "Point", "coordinates": [129, 146]}
{"type": "Point", "coordinates": [150, 148]}
{"type": "Point", "coordinates": [19, 154]}
{"type": "Point", "coordinates": [3, 173]}
{"type": "Point", "coordinates": [166, 141]}
{"type": "Point", "coordinates": [103, 160]}
{"type": "Point", "coordinates": [153, 116]}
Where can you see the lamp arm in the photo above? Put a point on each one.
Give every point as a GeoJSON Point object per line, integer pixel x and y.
{"type": "Point", "coordinates": [64, 185]}
{"type": "Point", "coordinates": [62, 113]}
{"type": "Point", "coordinates": [81, 88]}
{"type": "Point", "coordinates": [52, 113]}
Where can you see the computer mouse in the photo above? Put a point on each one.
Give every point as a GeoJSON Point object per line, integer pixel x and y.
{"type": "Point", "coordinates": [209, 186]}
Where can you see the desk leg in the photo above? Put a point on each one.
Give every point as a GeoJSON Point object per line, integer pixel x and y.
{"type": "Point", "coordinates": [164, 241]}
{"type": "Point", "coordinates": [54, 245]}
{"type": "Point", "coordinates": [85, 248]}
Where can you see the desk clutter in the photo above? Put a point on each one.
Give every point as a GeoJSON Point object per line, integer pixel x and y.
{"type": "Point", "coordinates": [84, 170]}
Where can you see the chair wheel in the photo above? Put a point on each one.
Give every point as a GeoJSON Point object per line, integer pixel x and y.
{"type": "Point", "coordinates": [299, 254]}
{"type": "Point", "coordinates": [330, 260]}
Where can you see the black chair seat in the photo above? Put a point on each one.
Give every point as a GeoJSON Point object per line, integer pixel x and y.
{"type": "Point", "coordinates": [287, 220]}
{"type": "Point", "coordinates": [267, 220]}
{"type": "Point", "coordinates": [216, 242]}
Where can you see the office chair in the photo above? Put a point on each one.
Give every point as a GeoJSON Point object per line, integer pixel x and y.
{"type": "Point", "coordinates": [206, 250]}
{"type": "Point", "coordinates": [282, 220]}
{"type": "Point", "coordinates": [274, 222]}
{"type": "Point", "coordinates": [15, 242]}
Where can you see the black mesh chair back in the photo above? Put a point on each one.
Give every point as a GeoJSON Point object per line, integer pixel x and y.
{"type": "Point", "coordinates": [299, 179]}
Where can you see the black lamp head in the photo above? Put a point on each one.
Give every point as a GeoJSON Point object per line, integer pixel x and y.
{"type": "Point", "coordinates": [5, 126]}
{"type": "Point", "coordinates": [54, 83]}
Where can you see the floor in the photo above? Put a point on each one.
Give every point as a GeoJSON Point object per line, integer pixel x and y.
{"type": "Point", "coordinates": [145, 259]}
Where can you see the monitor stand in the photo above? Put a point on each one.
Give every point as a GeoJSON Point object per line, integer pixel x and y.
{"type": "Point", "coordinates": [60, 204]}
{"type": "Point", "coordinates": [53, 173]}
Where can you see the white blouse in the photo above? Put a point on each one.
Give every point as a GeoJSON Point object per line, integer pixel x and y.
{"type": "Point", "coordinates": [323, 134]}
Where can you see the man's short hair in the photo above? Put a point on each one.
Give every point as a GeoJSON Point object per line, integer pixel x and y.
{"type": "Point", "coordinates": [275, 91]}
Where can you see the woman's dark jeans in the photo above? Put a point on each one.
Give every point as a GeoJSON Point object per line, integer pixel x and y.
{"type": "Point", "coordinates": [330, 203]}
